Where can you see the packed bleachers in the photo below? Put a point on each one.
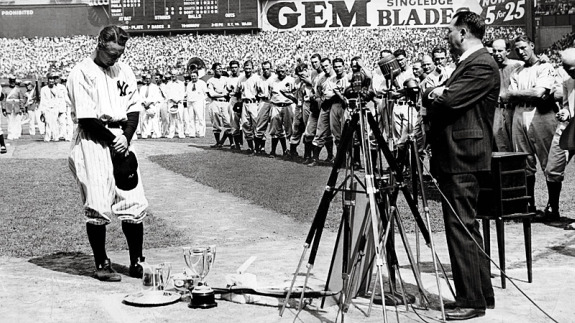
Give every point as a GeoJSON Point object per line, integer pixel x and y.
{"type": "Point", "coordinates": [28, 57]}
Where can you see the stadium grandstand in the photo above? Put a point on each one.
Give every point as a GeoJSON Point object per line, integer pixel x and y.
{"type": "Point", "coordinates": [43, 35]}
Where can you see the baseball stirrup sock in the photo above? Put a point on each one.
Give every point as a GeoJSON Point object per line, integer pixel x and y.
{"type": "Point", "coordinates": [531, 192]}
{"type": "Point", "coordinates": [250, 144]}
{"type": "Point", "coordinates": [554, 191]}
{"type": "Point", "coordinates": [283, 143]}
{"type": "Point", "coordinates": [316, 151]}
{"type": "Point", "coordinates": [274, 145]}
{"type": "Point", "coordinates": [217, 136]}
{"type": "Point", "coordinates": [307, 150]}
{"type": "Point", "coordinates": [97, 239]}
{"type": "Point", "coordinates": [134, 233]}
{"type": "Point", "coordinates": [237, 140]}
{"type": "Point", "coordinates": [329, 148]}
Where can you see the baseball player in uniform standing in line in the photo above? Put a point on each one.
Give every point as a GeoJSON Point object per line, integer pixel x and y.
{"type": "Point", "coordinates": [280, 90]}
{"type": "Point", "coordinates": [51, 101]}
{"type": "Point", "coordinates": [235, 118]}
{"type": "Point", "coordinates": [263, 118]}
{"type": "Point", "coordinates": [534, 124]}
{"type": "Point", "coordinates": [558, 158]}
{"type": "Point", "coordinates": [14, 108]}
{"type": "Point", "coordinates": [305, 94]}
{"type": "Point", "coordinates": [247, 89]}
{"type": "Point", "coordinates": [218, 93]}
{"type": "Point", "coordinates": [104, 98]}
{"type": "Point", "coordinates": [196, 95]}
{"type": "Point", "coordinates": [323, 135]}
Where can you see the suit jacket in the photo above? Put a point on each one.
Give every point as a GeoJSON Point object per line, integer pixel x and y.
{"type": "Point", "coordinates": [461, 134]}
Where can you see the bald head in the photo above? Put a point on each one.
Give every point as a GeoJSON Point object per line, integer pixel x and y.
{"type": "Point", "coordinates": [568, 59]}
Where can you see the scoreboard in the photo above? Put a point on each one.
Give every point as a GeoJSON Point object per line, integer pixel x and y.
{"type": "Point", "coordinates": [159, 15]}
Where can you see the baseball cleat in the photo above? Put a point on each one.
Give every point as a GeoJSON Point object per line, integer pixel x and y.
{"type": "Point", "coordinates": [105, 272]}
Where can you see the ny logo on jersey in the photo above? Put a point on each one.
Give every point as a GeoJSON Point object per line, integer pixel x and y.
{"type": "Point", "coordinates": [123, 87]}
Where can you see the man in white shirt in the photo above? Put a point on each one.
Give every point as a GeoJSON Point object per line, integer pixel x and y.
{"type": "Point", "coordinates": [175, 93]}
{"type": "Point", "coordinates": [196, 90]}
{"type": "Point", "coordinates": [51, 102]}
{"type": "Point", "coordinates": [151, 98]}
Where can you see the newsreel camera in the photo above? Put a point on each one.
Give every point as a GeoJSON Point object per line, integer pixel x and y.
{"type": "Point", "coordinates": [365, 241]}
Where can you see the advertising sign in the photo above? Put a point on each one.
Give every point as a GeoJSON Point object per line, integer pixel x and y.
{"type": "Point", "coordinates": [328, 14]}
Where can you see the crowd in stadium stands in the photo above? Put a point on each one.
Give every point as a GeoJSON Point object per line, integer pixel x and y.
{"type": "Point", "coordinates": [563, 8]}
{"type": "Point", "coordinates": [553, 52]}
{"type": "Point", "coordinates": [30, 57]}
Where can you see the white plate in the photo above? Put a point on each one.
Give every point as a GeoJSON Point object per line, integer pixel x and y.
{"type": "Point", "coordinates": [152, 298]}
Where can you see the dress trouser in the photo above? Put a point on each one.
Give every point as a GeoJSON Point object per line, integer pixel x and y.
{"type": "Point", "coordinates": [470, 266]}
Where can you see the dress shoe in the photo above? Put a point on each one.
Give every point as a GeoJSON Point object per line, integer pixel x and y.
{"type": "Point", "coordinates": [459, 313]}
{"type": "Point", "coordinates": [489, 302]}
{"type": "Point", "coordinates": [105, 272]}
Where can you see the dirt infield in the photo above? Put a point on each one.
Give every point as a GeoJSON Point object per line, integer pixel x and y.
{"type": "Point", "coordinates": [58, 287]}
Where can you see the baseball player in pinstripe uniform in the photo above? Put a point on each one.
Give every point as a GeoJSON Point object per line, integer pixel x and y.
{"type": "Point", "coordinates": [103, 95]}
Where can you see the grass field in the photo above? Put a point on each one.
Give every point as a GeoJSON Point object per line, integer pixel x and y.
{"type": "Point", "coordinates": [41, 213]}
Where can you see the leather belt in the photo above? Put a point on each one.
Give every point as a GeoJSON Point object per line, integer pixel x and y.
{"type": "Point", "coordinates": [281, 104]}
{"type": "Point", "coordinates": [221, 100]}
{"type": "Point", "coordinates": [249, 100]}
{"type": "Point", "coordinates": [401, 102]}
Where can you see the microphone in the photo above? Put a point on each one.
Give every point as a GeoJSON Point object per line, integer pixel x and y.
{"type": "Point", "coordinates": [389, 66]}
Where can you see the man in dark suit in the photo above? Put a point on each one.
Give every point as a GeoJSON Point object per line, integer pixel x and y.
{"type": "Point", "coordinates": [461, 140]}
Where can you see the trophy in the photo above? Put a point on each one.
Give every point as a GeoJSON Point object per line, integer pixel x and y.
{"type": "Point", "coordinates": [156, 277]}
{"type": "Point", "coordinates": [200, 261]}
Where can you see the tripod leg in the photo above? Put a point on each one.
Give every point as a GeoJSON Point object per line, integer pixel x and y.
{"type": "Point", "coordinates": [426, 212]}
{"type": "Point", "coordinates": [305, 248]}
{"type": "Point", "coordinates": [315, 233]}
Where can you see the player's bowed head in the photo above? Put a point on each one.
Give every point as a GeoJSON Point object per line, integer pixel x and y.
{"type": "Point", "coordinates": [111, 45]}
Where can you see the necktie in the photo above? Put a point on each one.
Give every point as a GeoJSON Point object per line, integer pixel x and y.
{"type": "Point", "coordinates": [193, 86]}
